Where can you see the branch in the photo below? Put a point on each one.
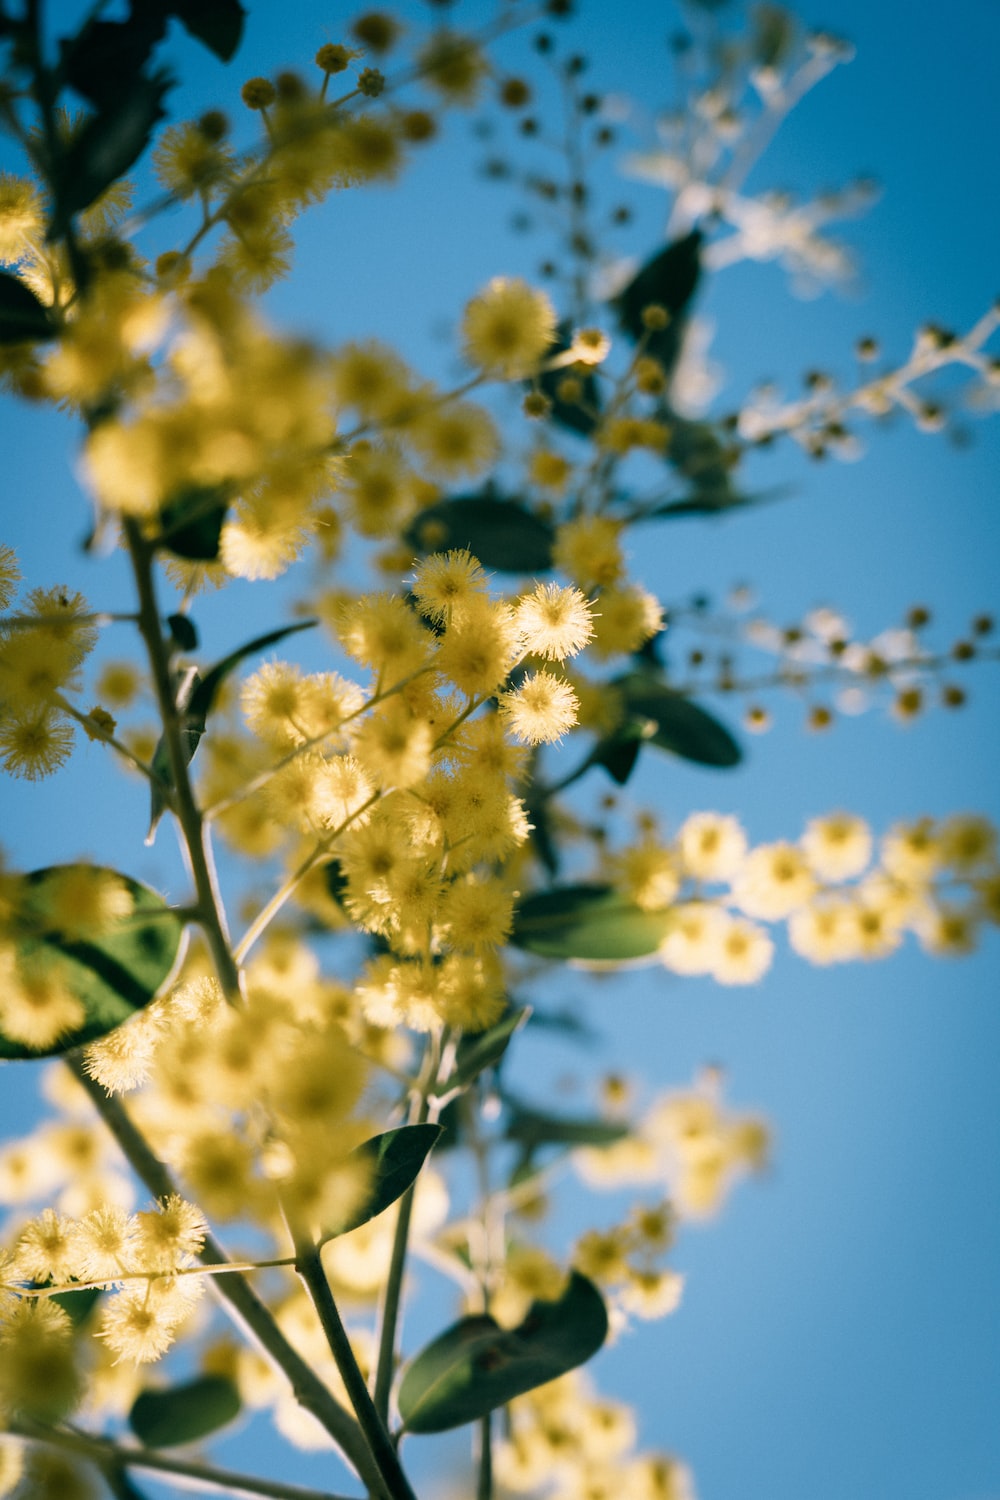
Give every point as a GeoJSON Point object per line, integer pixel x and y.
{"type": "Point", "coordinates": [109, 1455]}
{"type": "Point", "coordinates": [251, 1315]}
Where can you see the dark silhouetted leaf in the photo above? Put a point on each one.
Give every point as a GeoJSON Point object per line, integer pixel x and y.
{"type": "Point", "coordinates": [191, 524]}
{"type": "Point", "coordinates": [217, 24]}
{"type": "Point", "coordinates": [619, 752]}
{"type": "Point", "coordinates": [533, 1128]}
{"type": "Point", "coordinates": [670, 279]}
{"type": "Point", "coordinates": [590, 923]}
{"type": "Point", "coordinates": [542, 842]}
{"type": "Point", "coordinates": [582, 416]}
{"type": "Point", "coordinates": [79, 1305]}
{"type": "Point", "coordinates": [204, 694]}
{"type": "Point", "coordinates": [101, 59]}
{"type": "Point", "coordinates": [476, 1366]}
{"type": "Point", "coordinates": [680, 725]}
{"type": "Point", "coordinates": [476, 1053]}
{"type": "Point", "coordinates": [395, 1159]}
{"type": "Point", "coordinates": [502, 534]}
{"type": "Point", "coordinates": [106, 146]}
{"type": "Point", "coordinates": [22, 316]}
{"type": "Point", "coordinates": [183, 632]}
{"type": "Point", "coordinates": [184, 1413]}
{"type": "Point", "coordinates": [112, 974]}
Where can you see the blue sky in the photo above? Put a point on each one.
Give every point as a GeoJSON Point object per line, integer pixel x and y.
{"type": "Point", "coordinates": [840, 1333]}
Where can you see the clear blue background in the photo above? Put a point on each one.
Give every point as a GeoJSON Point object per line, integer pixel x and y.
{"type": "Point", "coordinates": [840, 1333]}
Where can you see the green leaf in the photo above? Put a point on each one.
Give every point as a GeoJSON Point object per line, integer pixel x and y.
{"type": "Point", "coordinates": [105, 54]}
{"type": "Point", "coordinates": [191, 523]}
{"type": "Point", "coordinates": [183, 632]}
{"type": "Point", "coordinates": [698, 455]}
{"type": "Point", "coordinates": [670, 279]}
{"type": "Point", "coordinates": [22, 316]}
{"type": "Point", "coordinates": [773, 35]}
{"type": "Point", "coordinates": [502, 534]}
{"type": "Point", "coordinates": [113, 974]}
{"type": "Point", "coordinates": [619, 752]}
{"type": "Point", "coordinates": [577, 416]}
{"type": "Point", "coordinates": [476, 1366]}
{"type": "Point", "coordinates": [534, 1128]}
{"type": "Point", "coordinates": [477, 1053]}
{"type": "Point", "coordinates": [79, 1305]}
{"type": "Point", "coordinates": [218, 24]}
{"type": "Point", "coordinates": [680, 725]}
{"type": "Point", "coordinates": [395, 1159]}
{"type": "Point", "coordinates": [106, 146]}
{"type": "Point", "coordinates": [590, 923]}
{"type": "Point", "coordinates": [543, 842]}
{"type": "Point", "coordinates": [184, 1413]}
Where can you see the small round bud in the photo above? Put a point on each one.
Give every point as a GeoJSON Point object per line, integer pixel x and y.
{"type": "Point", "coordinates": [918, 616]}
{"type": "Point", "coordinates": [622, 215]}
{"type": "Point", "coordinates": [963, 651]}
{"type": "Point", "coordinates": [570, 390]}
{"type": "Point", "coordinates": [417, 126]}
{"type": "Point", "coordinates": [371, 82]}
{"type": "Point", "coordinates": [258, 93]}
{"type": "Point", "coordinates": [909, 703]}
{"type": "Point", "coordinates": [952, 696]}
{"type": "Point", "coordinates": [514, 93]}
{"type": "Point", "coordinates": [757, 719]}
{"type": "Point", "coordinates": [333, 58]}
{"type": "Point", "coordinates": [655, 317]}
{"type": "Point", "coordinates": [820, 718]}
{"type": "Point", "coordinates": [695, 657]}
{"type": "Point", "coordinates": [291, 89]}
{"type": "Point", "coordinates": [591, 346]}
{"type": "Point", "coordinates": [529, 126]}
{"type": "Point", "coordinates": [172, 268]}
{"type": "Point", "coordinates": [982, 625]}
{"type": "Point", "coordinates": [536, 404]}
{"type": "Point", "coordinates": [867, 349]}
{"type": "Point", "coordinates": [213, 125]}
{"type": "Point", "coordinates": [376, 30]}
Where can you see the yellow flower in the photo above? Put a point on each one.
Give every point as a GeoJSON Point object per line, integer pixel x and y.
{"type": "Point", "coordinates": [712, 846]}
{"type": "Point", "coordinates": [774, 881]}
{"type": "Point", "coordinates": [541, 710]}
{"type": "Point", "coordinates": [838, 846]}
{"type": "Point", "coordinates": [589, 551]}
{"type": "Point", "coordinates": [553, 622]}
{"type": "Point", "coordinates": [445, 581]}
{"type": "Point", "coordinates": [507, 328]}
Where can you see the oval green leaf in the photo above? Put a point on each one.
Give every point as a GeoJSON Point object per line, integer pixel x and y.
{"type": "Point", "coordinates": [476, 1366]}
{"type": "Point", "coordinates": [184, 1413]}
{"type": "Point", "coordinates": [502, 534]}
{"type": "Point", "coordinates": [670, 280]}
{"type": "Point", "coordinates": [590, 923]}
{"type": "Point", "coordinates": [533, 1128]}
{"type": "Point", "coordinates": [113, 973]}
{"type": "Point", "coordinates": [680, 726]}
{"type": "Point", "coordinates": [476, 1053]}
{"type": "Point", "coordinates": [395, 1160]}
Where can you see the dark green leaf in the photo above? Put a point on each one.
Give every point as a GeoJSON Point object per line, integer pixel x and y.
{"type": "Point", "coordinates": [106, 146]}
{"type": "Point", "coordinates": [773, 35]}
{"type": "Point", "coordinates": [577, 416]}
{"type": "Point", "coordinates": [502, 534]}
{"type": "Point", "coordinates": [184, 1413]}
{"type": "Point", "coordinates": [395, 1159]}
{"type": "Point", "coordinates": [680, 725]}
{"type": "Point", "coordinates": [22, 316]}
{"type": "Point", "coordinates": [476, 1366]}
{"type": "Point", "coordinates": [101, 59]}
{"type": "Point", "coordinates": [113, 974]}
{"type": "Point", "coordinates": [476, 1053]}
{"type": "Point", "coordinates": [670, 279]}
{"type": "Point", "coordinates": [533, 1128]}
{"type": "Point", "coordinates": [79, 1305]}
{"type": "Point", "coordinates": [191, 523]}
{"type": "Point", "coordinates": [183, 632]}
{"type": "Point", "coordinates": [336, 880]}
{"type": "Point", "coordinates": [218, 24]}
{"type": "Point", "coordinates": [618, 752]}
{"type": "Point", "coordinates": [591, 923]}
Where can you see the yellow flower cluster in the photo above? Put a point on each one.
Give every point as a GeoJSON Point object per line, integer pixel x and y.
{"type": "Point", "coordinates": [939, 881]}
